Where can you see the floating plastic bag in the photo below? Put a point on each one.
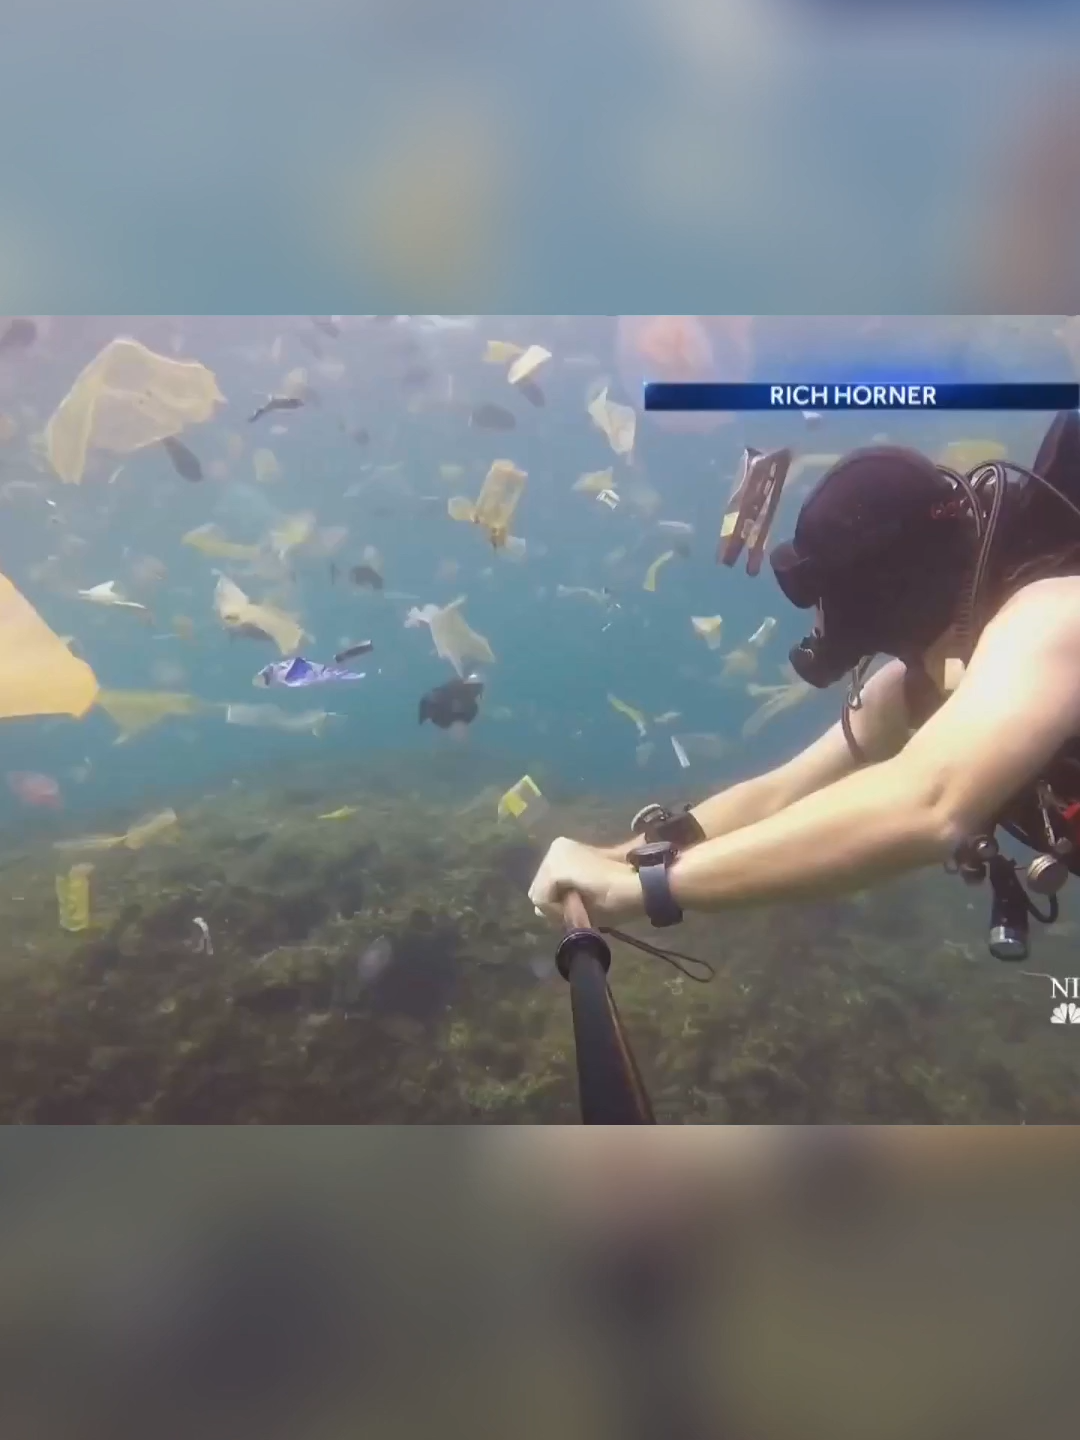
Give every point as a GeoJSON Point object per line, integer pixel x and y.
{"type": "Point", "coordinates": [618, 422]}
{"type": "Point", "coordinates": [503, 487]}
{"type": "Point", "coordinates": [125, 399]}
{"type": "Point", "coordinates": [73, 897]}
{"type": "Point", "coordinates": [454, 640]}
{"type": "Point", "coordinates": [137, 710]}
{"type": "Point", "coordinates": [38, 673]}
{"type": "Point", "coordinates": [266, 466]}
{"type": "Point", "coordinates": [236, 612]}
{"type": "Point", "coordinates": [710, 628]}
{"type": "Point", "coordinates": [635, 716]}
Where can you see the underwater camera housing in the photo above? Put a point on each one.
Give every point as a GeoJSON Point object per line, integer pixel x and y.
{"type": "Point", "coordinates": [752, 507]}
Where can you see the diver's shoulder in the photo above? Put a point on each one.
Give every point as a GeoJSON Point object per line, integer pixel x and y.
{"type": "Point", "coordinates": [1055, 599]}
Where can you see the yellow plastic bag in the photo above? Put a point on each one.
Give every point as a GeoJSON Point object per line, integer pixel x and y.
{"type": "Point", "coordinates": [522, 801]}
{"type": "Point", "coordinates": [503, 487]}
{"type": "Point", "coordinates": [73, 898]}
{"type": "Point", "coordinates": [125, 399]}
{"type": "Point", "coordinates": [38, 673]}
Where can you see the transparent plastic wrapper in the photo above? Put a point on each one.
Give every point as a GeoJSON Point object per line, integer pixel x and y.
{"type": "Point", "coordinates": [125, 399]}
{"type": "Point", "coordinates": [38, 673]}
{"type": "Point", "coordinates": [710, 628]}
{"type": "Point", "coordinates": [452, 636]}
{"type": "Point", "coordinates": [618, 422]}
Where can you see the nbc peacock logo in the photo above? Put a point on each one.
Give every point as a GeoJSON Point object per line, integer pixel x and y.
{"type": "Point", "coordinates": [1065, 989]}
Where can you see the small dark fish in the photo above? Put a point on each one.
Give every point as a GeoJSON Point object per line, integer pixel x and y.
{"type": "Point", "coordinates": [184, 461]}
{"type": "Point", "coordinates": [491, 417]}
{"type": "Point", "coordinates": [276, 402]}
{"type": "Point", "coordinates": [19, 334]}
{"type": "Point", "coordinates": [366, 577]}
{"type": "Point", "coordinates": [362, 647]}
{"type": "Point", "coordinates": [532, 393]}
{"type": "Point", "coordinates": [326, 325]}
{"type": "Point", "coordinates": [359, 435]}
{"type": "Point", "coordinates": [455, 703]}
{"type": "Point", "coordinates": [416, 377]}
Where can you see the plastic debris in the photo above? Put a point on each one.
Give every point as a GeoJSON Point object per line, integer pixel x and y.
{"type": "Point", "coordinates": [451, 472]}
{"type": "Point", "coordinates": [38, 673]}
{"type": "Point", "coordinates": [635, 716]}
{"type": "Point", "coordinates": [139, 835]}
{"type": "Point", "coordinates": [296, 672]}
{"type": "Point", "coordinates": [272, 717]}
{"type": "Point", "coordinates": [503, 487]}
{"type": "Point", "coordinates": [342, 813]}
{"type": "Point", "coordinates": [780, 698]}
{"type": "Point", "coordinates": [154, 827]}
{"type": "Point", "coordinates": [73, 897]}
{"type": "Point", "coordinates": [293, 532]}
{"type": "Point", "coordinates": [522, 801]}
{"type": "Point", "coordinates": [644, 753]}
{"type": "Point", "coordinates": [202, 944]}
{"type": "Point", "coordinates": [618, 422]}
{"type": "Point", "coordinates": [125, 399]}
{"type": "Point", "coordinates": [267, 467]}
{"type": "Point", "coordinates": [762, 633]}
{"type": "Point", "coordinates": [134, 711]}
{"type": "Point", "coordinates": [703, 745]}
{"type": "Point", "coordinates": [527, 365]}
{"type": "Point", "coordinates": [667, 718]}
{"type": "Point", "coordinates": [608, 498]}
{"type": "Point", "coordinates": [244, 617]}
{"type": "Point", "coordinates": [710, 628]}
{"type": "Point", "coordinates": [454, 640]}
{"type": "Point", "coordinates": [682, 528]}
{"type": "Point", "coordinates": [108, 594]}
{"type": "Point", "coordinates": [595, 482]}
{"type": "Point", "coordinates": [566, 592]}
{"type": "Point", "coordinates": [210, 541]}
{"type": "Point", "coordinates": [501, 352]}
{"type": "Point", "coordinates": [654, 569]}
{"type": "Point", "coordinates": [680, 752]}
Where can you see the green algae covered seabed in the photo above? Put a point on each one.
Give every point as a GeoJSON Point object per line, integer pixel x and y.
{"type": "Point", "coordinates": [877, 1009]}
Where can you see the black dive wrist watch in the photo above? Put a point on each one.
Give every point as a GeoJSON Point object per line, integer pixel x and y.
{"type": "Point", "coordinates": [651, 863]}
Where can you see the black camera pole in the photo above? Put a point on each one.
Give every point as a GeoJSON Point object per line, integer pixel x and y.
{"type": "Point", "coordinates": [609, 1083]}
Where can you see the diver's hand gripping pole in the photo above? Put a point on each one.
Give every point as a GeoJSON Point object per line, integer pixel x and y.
{"type": "Point", "coordinates": [610, 1087]}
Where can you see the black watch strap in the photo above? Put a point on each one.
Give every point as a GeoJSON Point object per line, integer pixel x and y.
{"type": "Point", "coordinates": [651, 863]}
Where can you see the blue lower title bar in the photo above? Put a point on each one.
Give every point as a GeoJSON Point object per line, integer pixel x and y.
{"type": "Point", "coordinates": [858, 396]}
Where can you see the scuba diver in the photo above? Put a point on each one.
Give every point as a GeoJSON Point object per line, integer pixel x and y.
{"type": "Point", "coordinates": [970, 584]}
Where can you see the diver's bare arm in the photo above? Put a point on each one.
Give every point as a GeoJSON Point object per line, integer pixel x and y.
{"type": "Point", "coordinates": [1018, 702]}
{"type": "Point", "coordinates": [879, 728]}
